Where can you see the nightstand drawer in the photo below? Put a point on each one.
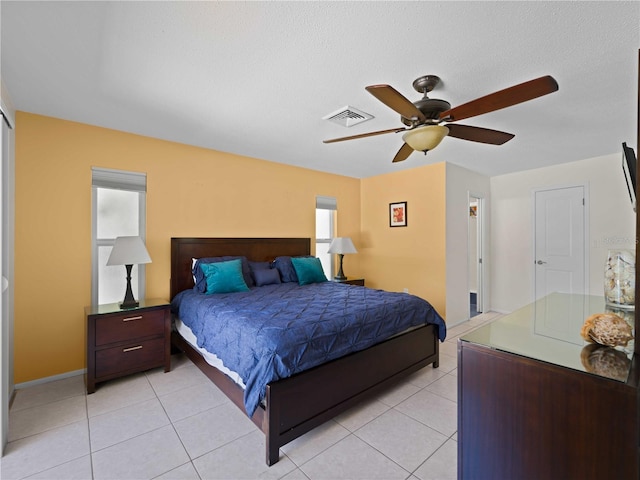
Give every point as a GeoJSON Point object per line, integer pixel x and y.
{"type": "Point", "coordinates": [128, 325]}
{"type": "Point", "coordinates": [135, 355]}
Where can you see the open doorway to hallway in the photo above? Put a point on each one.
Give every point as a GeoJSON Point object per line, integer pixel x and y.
{"type": "Point", "coordinates": [475, 255]}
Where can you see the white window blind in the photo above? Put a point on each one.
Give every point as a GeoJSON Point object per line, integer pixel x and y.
{"type": "Point", "coordinates": [119, 179]}
{"type": "Point", "coordinates": [326, 203]}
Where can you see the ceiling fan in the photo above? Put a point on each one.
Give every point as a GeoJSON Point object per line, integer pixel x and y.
{"type": "Point", "coordinates": [424, 118]}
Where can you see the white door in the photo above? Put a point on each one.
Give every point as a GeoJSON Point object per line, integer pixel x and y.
{"type": "Point", "coordinates": [560, 240]}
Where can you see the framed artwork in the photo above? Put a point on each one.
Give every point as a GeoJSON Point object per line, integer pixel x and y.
{"type": "Point", "coordinates": [398, 214]}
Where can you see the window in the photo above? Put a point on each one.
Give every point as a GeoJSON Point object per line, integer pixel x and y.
{"type": "Point", "coordinates": [326, 208]}
{"type": "Point", "coordinates": [118, 209]}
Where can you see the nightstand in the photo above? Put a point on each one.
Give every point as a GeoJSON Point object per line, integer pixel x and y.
{"type": "Point", "coordinates": [125, 341]}
{"type": "Point", "coordinates": [351, 281]}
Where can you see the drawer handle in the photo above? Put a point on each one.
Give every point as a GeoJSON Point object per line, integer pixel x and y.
{"type": "Point", "coordinates": [132, 318]}
{"type": "Point", "coordinates": [131, 349]}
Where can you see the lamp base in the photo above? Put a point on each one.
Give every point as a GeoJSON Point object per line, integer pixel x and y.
{"type": "Point", "coordinates": [340, 275]}
{"type": "Point", "coordinates": [129, 301]}
{"type": "Point", "coordinates": [125, 305]}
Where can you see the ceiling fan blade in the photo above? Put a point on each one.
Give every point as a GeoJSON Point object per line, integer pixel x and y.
{"type": "Point", "coordinates": [477, 134]}
{"type": "Point", "coordinates": [396, 101]}
{"type": "Point", "coordinates": [362, 135]}
{"type": "Point", "coordinates": [502, 99]}
{"type": "Point", "coordinates": [403, 153]}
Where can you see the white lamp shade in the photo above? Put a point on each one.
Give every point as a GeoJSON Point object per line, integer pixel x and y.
{"type": "Point", "coordinates": [426, 137]}
{"type": "Point", "coordinates": [342, 245]}
{"type": "Point", "coordinates": [128, 251]}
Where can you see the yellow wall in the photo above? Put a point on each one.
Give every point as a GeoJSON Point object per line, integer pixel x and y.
{"type": "Point", "coordinates": [410, 257]}
{"type": "Point", "coordinates": [190, 192]}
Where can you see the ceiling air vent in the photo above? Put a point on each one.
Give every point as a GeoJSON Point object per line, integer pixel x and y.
{"type": "Point", "coordinates": [348, 116]}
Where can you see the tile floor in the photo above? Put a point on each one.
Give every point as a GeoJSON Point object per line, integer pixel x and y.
{"type": "Point", "coordinates": [178, 425]}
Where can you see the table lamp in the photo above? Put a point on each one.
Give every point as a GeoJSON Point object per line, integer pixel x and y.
{"type": "Point", "coordinates": [128, 251]}
{"type": "Point", "coordinates": [341, 246]}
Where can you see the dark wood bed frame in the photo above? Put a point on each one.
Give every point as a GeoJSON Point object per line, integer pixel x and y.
{"type": "Point", "coordinates": [295, 405]}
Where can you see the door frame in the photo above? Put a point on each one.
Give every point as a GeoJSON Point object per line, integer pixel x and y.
{"type": "Point", "coordinates": [481, 243]}
{"type": "Point", "coordinates": [7, 234]}
{"type": "Point", "coordinates": [585, 212]}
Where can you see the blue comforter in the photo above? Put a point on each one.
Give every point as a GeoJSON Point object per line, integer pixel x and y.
{"type": "Point", "coordinates": [275, 331]}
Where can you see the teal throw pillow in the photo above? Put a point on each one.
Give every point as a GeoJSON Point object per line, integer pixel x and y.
{"type": "Point", "coordinates": [308, 269]}
{"type": "Point", "coordinates": [224, 277]}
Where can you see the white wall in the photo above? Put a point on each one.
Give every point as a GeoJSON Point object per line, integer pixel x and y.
{"type": "Point", "coordinates": [611, 224]}
{"type": "Point", "coordinates": [460, 182]}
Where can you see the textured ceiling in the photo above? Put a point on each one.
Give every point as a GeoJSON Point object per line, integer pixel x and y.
{"type": "Point", "coordinates": [256, 78]}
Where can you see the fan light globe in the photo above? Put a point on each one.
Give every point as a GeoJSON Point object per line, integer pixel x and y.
{"type": "Point", "coordinates": [426, 137]}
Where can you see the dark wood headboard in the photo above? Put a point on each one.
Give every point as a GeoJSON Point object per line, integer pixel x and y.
{"type": "Point", "coordinates": [256, 249]}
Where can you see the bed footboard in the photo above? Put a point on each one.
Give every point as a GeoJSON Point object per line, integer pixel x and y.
{"type": "Point", "coordinates": [300, 403]}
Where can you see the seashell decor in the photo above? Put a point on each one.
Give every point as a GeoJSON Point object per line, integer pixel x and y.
{"type": "Point", "coordinates": [607, 329]}
{"type": "Point", "coordinates": [605, 361]}
{"type": "Point", "coordinates": [620, 278]}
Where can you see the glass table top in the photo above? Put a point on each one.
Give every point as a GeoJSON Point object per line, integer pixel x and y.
{"type": "Point", "coordinates": [549, 330]}
{"type": "Point", "coordinates": [115, 307]}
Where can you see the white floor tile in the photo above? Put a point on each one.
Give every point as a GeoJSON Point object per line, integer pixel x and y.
{"type": "Point", "coordinates": [128, 422]}
{"type": "Point", "coordinates": [398, 393]}
{"type": "Point", "coordinates": [180, 360]}
{"type": "Point", "coordinates": [447, 363]}
{"type": "Point", "coordinates": [193, 400]}
{"type": "Point", "coordinates": [44, 451]}
{"type": "Point", "coordinates": [446, 386]}
{"type": "Point", "coordinates": [302, 449]}
{"type": "Point", "coordinates": [79, 469]}
{"type": "Point", "coordinates": [361, 414]}
{"type": "Point", "coordinates": [241, 459]}
{"type": "Point", "coordinates": [175, 380]}
{"type": "Point", "coordinates": [48, 392]}
{"type": "Point", "coordinates": [442, 465]}
{"type": "Point", "coordinates": [353, 459]}
{"type": "Point", "coordinates": [213, 428]}
{"type": "Point", "coordinates": [401, 438]}
{"type": "Point", "coordinates": [297, 474]}
{"type": "Point", "coordinates": [183, 472]}
{"type": "Point", "coordinates": [433, 410]}
{"type": "Point", "coordinates": [119, 393]}
{"type": "Point", "coordinates": [425, 376]}
{"type": "Point", "coordinates": [30, 421]}
{"type": "Point", "coordinates": [140, 458]}
{"type": "Point", "coordinates": [449, 348]}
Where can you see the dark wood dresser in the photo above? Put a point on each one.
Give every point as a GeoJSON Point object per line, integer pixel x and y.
{"type": "Point", "coordinates": [535, 401]}
{"type": "Point", "coordinates": [121, 342]}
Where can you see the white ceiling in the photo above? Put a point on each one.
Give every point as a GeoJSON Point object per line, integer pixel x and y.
{"type": "Point", "coordinates": [256, 78]}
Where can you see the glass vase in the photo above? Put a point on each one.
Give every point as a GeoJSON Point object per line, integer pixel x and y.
{"type": "Point", "coordinates": [620, 279]}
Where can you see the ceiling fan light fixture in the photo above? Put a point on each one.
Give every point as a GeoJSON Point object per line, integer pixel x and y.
{"type": "Point", "coordinates": [426, 137]}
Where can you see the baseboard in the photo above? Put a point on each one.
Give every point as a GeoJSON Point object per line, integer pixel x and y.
{"type": "Point", "coordinates": [53, 378]}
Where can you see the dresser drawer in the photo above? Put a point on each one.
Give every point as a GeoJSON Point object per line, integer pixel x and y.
{"type": "Point", "coordinates": [136, 355]}
{"type": "Point", "coordinates": [129, 325]}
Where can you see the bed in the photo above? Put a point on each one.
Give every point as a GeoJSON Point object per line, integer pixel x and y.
{"type": "Point", "coordinates": [292, 406]}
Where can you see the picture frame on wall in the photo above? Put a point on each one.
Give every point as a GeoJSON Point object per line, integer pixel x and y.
{"type": "Point", "coordinates": [398, 214]}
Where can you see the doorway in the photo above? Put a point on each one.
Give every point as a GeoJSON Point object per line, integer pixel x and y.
{"type": "Point", "coordinates": [475, 254]}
